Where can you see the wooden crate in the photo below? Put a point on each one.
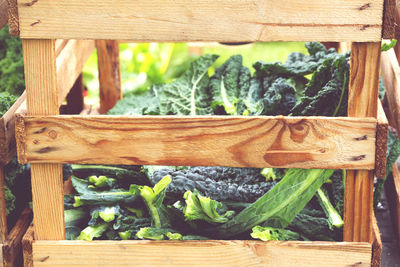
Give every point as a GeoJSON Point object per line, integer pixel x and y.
{"type": "Point", "coordinates": [71, 55]}
{"type": "Point", "coordinates": [46, 139]}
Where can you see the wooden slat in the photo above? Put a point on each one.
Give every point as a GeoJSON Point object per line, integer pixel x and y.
{"type": "Point", "coordinates": [109, 74]}
{"type": "Point", "coordinates": [42, 99]}
{"type": "Point", "coordinates": [7, 133]}
{"type": "Point", "coordinates": [27, 242]}
{"type": "Point", "coordinates": [376, 244]}
{"type": "Point", "coordinates": [13, 19]}
{"type": "Point", "coordinates": [391, 78]}
{"type": "Point", "coordinates": [70, 62]}
{"type": "Point", "coordinates": [3, 216]}
{"type": "Point", "coordinates": [12, 250]}
{"type": "Point", "coordinates": [289, 142]}
{"type": "Point", "coordinates": [3, 13]}
{"type": "Point", "coordinates": [363, 102]}
{"type": "Point", "coordinates": [200, 253]}
{"type": "Point", "coordinates": [391, 28]}
{"type": "Point", "coordinates": [205, 20]}
{"type": "Point", "coordinates": [381, 143]}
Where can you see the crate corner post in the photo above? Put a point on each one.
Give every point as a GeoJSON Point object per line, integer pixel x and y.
{"type": "Point", "coordinates": [363, 102]}
{"type": "Point", "coordinates": [42, 99]}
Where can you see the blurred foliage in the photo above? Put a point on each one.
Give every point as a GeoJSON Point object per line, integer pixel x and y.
{"type": "Point", "coordinates": [144, 64]}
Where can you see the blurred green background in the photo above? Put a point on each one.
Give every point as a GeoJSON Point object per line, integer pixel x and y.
{"type": "Point", "coordinates": [144, 64]}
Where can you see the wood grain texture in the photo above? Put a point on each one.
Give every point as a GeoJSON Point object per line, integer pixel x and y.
{"type": "Point", "coordinates": [42, 99]}
{"type": "Point", "coordinates": [13, 18]}
{"type": "Point", "coordinates": [12, 249]}
{"type": "Point", "coordinates": [200, 253]}
{"type": "Point", "coordinates": [109, 74]}
{"type": "Point", "coordinates": [381, 142]}
{"type": "Point", "coordinates": [363, 102]}
{"type": "Point", "coordinates": [391, 78]}
{"type": "Point", "coordinates": [27, 241]}
{"type": "Point", "coordinates": [78, 52]}
{"type": "Point", "coordinates": [305, 142]}
{"type": "Point", "coordinates": [376, 244]}
{"type": "Point", "coordinates": [3, 13]}
{"type": "Point", "coordinates": [3, 216]}
{"type": "Point", "coordinates": [70, 62]}
{"type": "Point", "coordinates": [206, 20]}
{"type": "Point", "coordinates": [7, 132]}
{"type": "Point", "coordinates": [391, 26]}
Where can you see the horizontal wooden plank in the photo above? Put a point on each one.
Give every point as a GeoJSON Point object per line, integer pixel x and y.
{"type": "Point", "coordinates": [290, 142]}
{"type": "Point", "coordinates": [200, 253]}
{"type": "Point", "coordinates": [205, 20]}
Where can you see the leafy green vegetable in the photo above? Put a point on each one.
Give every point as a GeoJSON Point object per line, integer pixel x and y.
{"type": "Point", "coordinates": [334, 217]}
{"type": "Point", "coordinates": [311, 226]}
{"type": "Point", "coordinates": [91, 232]}
{"type": "Point", "coordinates": [218, 183]}
{"type": "Point", "coordinates": [144, 104]}
{"type": "Point", "coordinates": [189, 94]}
{"type": "Point", "coordinates": [386, 47]}
{"type": "Point", "coordinates": [280, 205]}
{"type": "Point", "coordinates": [153, 197]}
{"type": "Point", "coordinates": [101, 181]}
{"type": "Point", "coordinates": [203, 208]}
{"type": "Point", "coordinates": [75, 220]}
{"type": "Point", "coordinates": [327, 92]}
{"type": "Point", "coordinates": [270, 233]}
{"type": "Point", "coordinates": [227, 84]}
{"type": "Point", "coordinates": [11, 64]}
{"type": "Point", "coordinates": [272, 174]}
{"type": "Point", "coordinates": [90, 197]}
{"type": "Point", "coordinates": [10, 200]}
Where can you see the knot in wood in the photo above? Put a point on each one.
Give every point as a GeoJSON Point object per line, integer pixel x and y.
{"type": "Point", "coordinates": [52, 134]}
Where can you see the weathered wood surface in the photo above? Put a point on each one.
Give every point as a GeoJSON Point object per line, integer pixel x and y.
{"type": "Point", "coordinates": [391, 26]}
{"type": "Point", "coordinates": [42, 99]}
{"type": "Point", "coordinates": [200, 253]}
{"type": "Point", "coordinates": [3, 216]}
{"type": "Point", "coordinates": [27, 241]}
{"type": "Point", "coordinates": [3, 13]}
{"type": "Point", "coordinates": [306, 142]}
{"type": "Point", "coordinates": [109, 74]}
{"type": "Point", "coordinates": [363, 102]}
{"type": "Point", "coordinates": [13, 20]}
{"type": "Point", "coordinates": [376, 244]}
{"type": "Point", "coordinates": [206, 20]}
{"type": "Point", "coordinates": [381, 143]}
{"type": "Point", "coordinates": [12, 249]}
{"type": "Point", "coordinates": [7, 132]}
{"type": "Point", "coordinates": [391, 78]}
{"type": "Point", "coordinates": [70, 62]}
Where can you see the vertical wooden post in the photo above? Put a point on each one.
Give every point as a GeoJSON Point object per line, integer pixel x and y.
{"type": "Point", "coordinates": [109, 74]}
{"type": "Point", "coordinates": [42, 99]}
{"type": "Point", "coordinates": [363, 102]}
{"type": "Point", "coordinates": [3, 215]}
